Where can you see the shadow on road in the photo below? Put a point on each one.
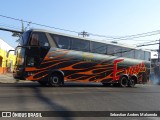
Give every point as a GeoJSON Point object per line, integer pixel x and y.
{"type": "Point", "coordinates": [39, 95]}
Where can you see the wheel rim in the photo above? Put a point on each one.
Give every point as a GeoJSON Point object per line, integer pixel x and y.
{"type": "Point", "coordinates": [124, 82]}
{"type": "Point", "coordinates": [55, 80]}
{"type": "Point", "coordinates": [131, 83]}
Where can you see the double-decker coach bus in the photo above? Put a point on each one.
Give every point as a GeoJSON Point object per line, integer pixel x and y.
{"type": "Point", "coordinates": [52, 58]}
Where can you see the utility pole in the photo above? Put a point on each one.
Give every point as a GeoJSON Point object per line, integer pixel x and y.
{"type": "Point", "coordinates": [23, 29]}
{"type": "Point", "coordinates": [15, 34]}
{"type": "Point", "coordinates": [84, 34]}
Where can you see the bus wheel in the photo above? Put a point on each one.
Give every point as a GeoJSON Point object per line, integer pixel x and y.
{"type": "Point", "coordinates": [55, 80]}
{"type": "Point", "coordinates": [131, 82]}
{"type": "Point", "coordinates": [123, 82]}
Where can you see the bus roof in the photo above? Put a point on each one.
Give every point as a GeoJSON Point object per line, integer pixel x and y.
{"type": "Point", "coordinates": [89, 39]}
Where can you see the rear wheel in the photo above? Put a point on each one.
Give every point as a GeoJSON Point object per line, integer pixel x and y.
{"type": "Point", "coordinates": [55, 80]}
{"type": "Point", "coordinates": [123, 81]}
{"type": "Point", "coordinates": [131, 82]}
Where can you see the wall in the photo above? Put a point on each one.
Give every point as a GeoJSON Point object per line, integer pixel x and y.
{"type": "Point", "coordinates": [4, 65]}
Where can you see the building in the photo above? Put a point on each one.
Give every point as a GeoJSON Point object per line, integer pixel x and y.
{"type": "Point", "coordinates": [6, 64]}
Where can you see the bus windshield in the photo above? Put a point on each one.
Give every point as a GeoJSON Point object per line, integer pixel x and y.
{"type": "Point", "coordinates": [20, 53]}
{"type": "Point", "coordinates": [24, 39]}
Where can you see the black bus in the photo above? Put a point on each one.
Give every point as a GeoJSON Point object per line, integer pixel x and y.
{"type": "Point", "coordinates": [53, 58]}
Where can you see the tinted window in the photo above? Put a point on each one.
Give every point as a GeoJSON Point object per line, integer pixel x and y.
{"type": "Point", "coordinates": [147, 56]}
{"type": "Point", "coordinates": [24, 38]}
{"type": "Point", "coordinates": [127, 52]}
{"type": "Point", "coordinates": [139, 54]}
{"type": "Point", "coordinates": [38, 38]}
{"type": "Point", "coordinates": [98, 47]}
{"type": "Point", "coordinates": [110, 50]}
{"type": "Point", "coordinates": [114, 50]}
{"type": "Point", "coordinates": [20, 54]}
{"type": "Point", "coordinates": [80, 45]}
{"type": "Point", "coordinates": [62, 41]}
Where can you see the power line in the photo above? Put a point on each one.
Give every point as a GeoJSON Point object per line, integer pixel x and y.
{"type": "Point", "coordinates": [39, 24]}
{"type": "Point", "coordinates": [135, 36]}
{"type": "Point", "coordinates": [147, 44]}
{"type": "Point", "coordinates": [8, 25]}
{"type": "Point", "coordinates": [108, 37]}
{"type": "Point", "coordinates": [129, 36]}
{"type": "Point", "coordinates": [10, 30]}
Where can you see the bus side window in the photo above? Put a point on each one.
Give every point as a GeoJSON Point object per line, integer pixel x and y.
{"type": "Point", "coordinates": [63, 42]}
{"type": "Point", "coordinates": [139, 54]}
{"type": "Point", "coordinates": [97, 47]}
{"type": "Point", "coordinates": [80, 45]}
{"type": "Point", "coordinates": [43, 41]}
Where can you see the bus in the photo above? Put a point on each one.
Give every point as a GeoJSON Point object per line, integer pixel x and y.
{"type": "Point", "coordinates": [53, 58]}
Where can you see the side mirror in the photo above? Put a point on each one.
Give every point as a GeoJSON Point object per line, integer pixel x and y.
{"type": "Point", "coordinates": [9, 52]}
{"type": "Point", "coordinates": [7, 56]}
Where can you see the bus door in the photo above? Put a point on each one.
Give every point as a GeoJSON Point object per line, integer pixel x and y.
{"type": "Point", "coordinates": [37, 50]}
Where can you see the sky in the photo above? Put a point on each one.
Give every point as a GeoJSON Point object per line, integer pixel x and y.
{"type": "Point", "coordinates": [103, 17]}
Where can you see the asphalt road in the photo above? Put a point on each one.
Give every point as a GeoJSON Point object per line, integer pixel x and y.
{"type": "Point", "coordinates": [80, 97]}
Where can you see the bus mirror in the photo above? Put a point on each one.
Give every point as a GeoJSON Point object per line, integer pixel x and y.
{"type": "Point", "coordinates": [9, 52]}
{"type": "Point", "coordinates": [8, 56]}
{"type": "Point", "coordinates": [15, 52]}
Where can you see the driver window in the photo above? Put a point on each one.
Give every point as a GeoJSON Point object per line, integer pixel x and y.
{"type": "Point", "coordinates": [34, 40]}
{"type": "Point", "coordinates": [39, 39]}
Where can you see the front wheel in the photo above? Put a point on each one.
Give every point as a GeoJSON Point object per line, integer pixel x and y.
{"type": "Point", "coordinates": [124, 82]}
{"type": "Point", "coordinates": [55, 80]}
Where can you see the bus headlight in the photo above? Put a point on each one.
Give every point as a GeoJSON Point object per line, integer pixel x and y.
{"type": "Point", "coordinates": [30, 73]}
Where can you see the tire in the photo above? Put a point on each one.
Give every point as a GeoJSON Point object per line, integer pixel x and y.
{"type": "Point", "coordinates": [55, 80]}
{"type": "Point", "coordinates": [123, 81]}
{"type": "Point", "coordinates": [131, 82]}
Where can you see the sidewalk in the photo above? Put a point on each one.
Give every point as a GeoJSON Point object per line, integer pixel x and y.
{"type": "Point", "coordinates": [7, 78]}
